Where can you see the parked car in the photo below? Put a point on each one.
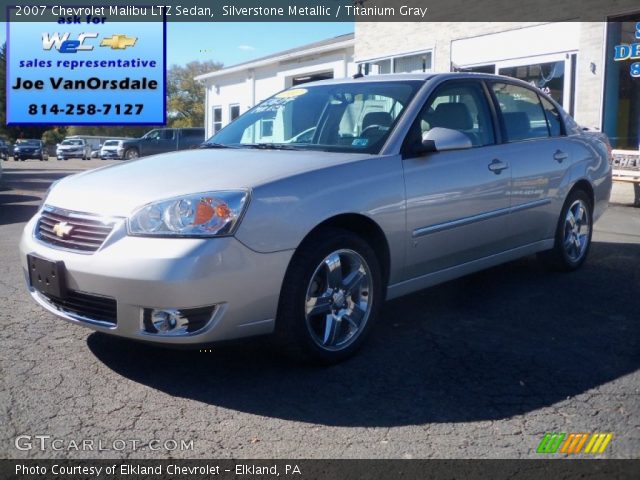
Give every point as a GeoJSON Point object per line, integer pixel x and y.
{"type": "Point", "coordinates": [4, 150]}
{"type": "Point", "coordinates": [112, 149]}
{"type": "Point", "coordinates": [73, 148]}
{"type": "Point", "coordinates": [30, 148]}
{"type": "Point", "coordinates": [162, 140]}
{"type": "Point", "coordinates": [406, 182]}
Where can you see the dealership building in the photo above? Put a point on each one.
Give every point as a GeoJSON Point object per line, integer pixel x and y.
{"type": "Point", "coordinates": [574, 62]}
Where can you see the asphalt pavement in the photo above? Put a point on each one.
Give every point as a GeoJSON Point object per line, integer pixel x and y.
{"type": "Point", "coordinates": [480, 367]}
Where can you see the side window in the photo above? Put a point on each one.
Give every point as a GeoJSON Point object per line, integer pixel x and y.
{"type": "Point", "coordinates": [553, 117]}
{"type": "Point", "coordinates": [457, 106]}
{"type": "Point", "coordinates": [193, 133]}
{"type": "Point", "coordinates": [167, 134]}
{"type": "Point", "coordinates": [522, 112]}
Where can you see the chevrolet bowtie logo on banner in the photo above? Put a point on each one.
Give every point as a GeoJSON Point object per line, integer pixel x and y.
{"type": "Point", "coordinates": [573, 443]}
{"type": "Point", "coordinates": [118, 42]}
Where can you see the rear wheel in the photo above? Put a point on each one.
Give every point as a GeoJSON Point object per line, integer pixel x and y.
{"type": "Point", "coordinates": [330, 297]}
{"type": "Point", "coordinates": [131, 153]}
{"type": "Point", "coordinates": [573, 234]}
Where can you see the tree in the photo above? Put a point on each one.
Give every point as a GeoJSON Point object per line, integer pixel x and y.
{"type": "Point", "coordinates": [186, 96]}
{"type": "Point", "coordinates": [109, 130]}
{"type": "Point", "coordinates": [54, 135]}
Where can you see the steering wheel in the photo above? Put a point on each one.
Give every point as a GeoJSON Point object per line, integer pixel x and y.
{"type": "Point", "coordinates": [370, 129]}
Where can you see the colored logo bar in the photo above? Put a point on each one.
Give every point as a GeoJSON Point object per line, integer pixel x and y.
{"type": "Point", "coordinates": [574, 443]}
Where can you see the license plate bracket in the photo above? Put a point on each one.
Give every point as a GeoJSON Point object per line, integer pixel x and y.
{"type": "Point", "coordinates": [47, 276]}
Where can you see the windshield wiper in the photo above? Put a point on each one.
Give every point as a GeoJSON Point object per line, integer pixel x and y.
{"type": "Point", "coordinates": [269, 146]}
{"type": "Point", "coordinates": [213, 145]}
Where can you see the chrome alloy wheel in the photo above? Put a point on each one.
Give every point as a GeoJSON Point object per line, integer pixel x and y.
{"type": "Point", "coordinates": [338, 300]}
{"type": "Point", "coordinates": [577, 231]}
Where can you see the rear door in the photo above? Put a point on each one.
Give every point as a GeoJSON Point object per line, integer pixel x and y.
{"type": "Point", "coordinates": [160, 141]}
{"type": "Point", "coordinates": [457, 201]}
{"type": "Point", "coordinates": [539, 156]}
{"type": "Point", "coordinates": [189, 138]}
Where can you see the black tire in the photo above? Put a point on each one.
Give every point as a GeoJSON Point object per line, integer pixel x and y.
{"type": "Point", "coordinates": [131, 154]}
{"type": "Point", "coordinates": [561, 257]}
{"type": "Point", "coordinates": [294, 328]}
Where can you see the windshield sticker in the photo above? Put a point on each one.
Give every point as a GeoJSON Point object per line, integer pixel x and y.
{"type": "Point", "coordinates": [273, 104]}
{"type": "Point", "coordinates": [360, 142]}
{"type": "Point", "coordinates": [296, 92]}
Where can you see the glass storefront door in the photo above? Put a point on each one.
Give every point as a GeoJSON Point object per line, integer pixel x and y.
{"type": "Point", "coordinates": [552, 74]}
{"type": "Point", "coordinates": [621, 113]}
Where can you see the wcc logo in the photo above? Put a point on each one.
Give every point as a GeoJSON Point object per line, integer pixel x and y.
{"type": "Point", "coordinates": [82, 43]}
{"type": "Point", "coordinates": [574, 443]}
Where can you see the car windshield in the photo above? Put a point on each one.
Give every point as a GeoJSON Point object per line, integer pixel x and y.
{"type": "Point", "coordinates": [72, 142]}
{"type": "Point", "coordinates": [110, 143]}
{"type": "Point", "coordinates": [28, 142]}
{"type": "Point", "coordinates": [349, 117]}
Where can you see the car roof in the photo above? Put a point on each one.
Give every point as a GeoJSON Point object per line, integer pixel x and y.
{"type": "Point", "coordinates": [399, 77]}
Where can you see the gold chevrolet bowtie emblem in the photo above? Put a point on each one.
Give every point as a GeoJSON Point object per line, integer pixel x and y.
{"type": "Point", "coordinates": [62, 229]}
{"type": "Point", "coordinates": [118, 42]}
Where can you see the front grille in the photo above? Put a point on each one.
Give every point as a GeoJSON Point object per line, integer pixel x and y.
{"type": "Point", "coordinates": [89, 307]}
{"type": "Point", "coordinates": [75, 231]}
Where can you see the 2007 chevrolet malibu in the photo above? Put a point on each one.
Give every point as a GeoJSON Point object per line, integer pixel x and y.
{"type": "Point", "coordinates": [304, 214]}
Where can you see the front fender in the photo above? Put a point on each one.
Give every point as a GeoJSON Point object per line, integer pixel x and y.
{"type": "Point", "coordinates": [282, 213]}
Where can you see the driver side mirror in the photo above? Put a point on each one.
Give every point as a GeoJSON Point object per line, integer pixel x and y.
{"type": "Point", "coordinates": [440, 139]}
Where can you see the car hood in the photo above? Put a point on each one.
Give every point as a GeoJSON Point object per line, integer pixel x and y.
{"type": "Point", "coordinates": [118, 190]}
{"type": "Point", "coordinates": [69, 147]}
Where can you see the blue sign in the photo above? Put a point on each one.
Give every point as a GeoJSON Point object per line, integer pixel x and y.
{"type": "Point", "coordinates": [629, 52]}
{"type": "Point", "coordinates": [86, 72]}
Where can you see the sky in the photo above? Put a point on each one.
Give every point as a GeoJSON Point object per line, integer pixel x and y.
{"type": "Point", "coordinates": [232, 43]}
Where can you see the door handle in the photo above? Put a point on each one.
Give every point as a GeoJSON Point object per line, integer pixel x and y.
{"type": "Point", "coordinates": [496, 166]}
{"type": "Point", "coordinates": [560, 156]}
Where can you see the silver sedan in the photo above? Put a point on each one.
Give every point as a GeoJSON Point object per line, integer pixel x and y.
{"type": "Point", "coordinates": [309, 210]}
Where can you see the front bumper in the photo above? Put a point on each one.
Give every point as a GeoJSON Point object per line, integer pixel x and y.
{"type": "Point", "coordinates": [170, 273]}
{"type": "Point", "coordinates": [69, 154]}
{"type": "Point", "coordinates": [112, 154]}
{"type": "Point", "coordinates": [27, 155]}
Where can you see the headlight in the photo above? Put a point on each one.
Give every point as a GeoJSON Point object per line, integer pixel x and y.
{"type": "Point", "coordinates": [199, 215]}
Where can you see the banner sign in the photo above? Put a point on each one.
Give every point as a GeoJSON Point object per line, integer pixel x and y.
{"type": "Point", "coordinates": [86, 70]}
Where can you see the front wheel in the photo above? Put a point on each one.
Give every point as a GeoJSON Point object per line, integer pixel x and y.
{"type": "Point", "coordinates": [573, 234]}
{"type": "Point", "coordinates": [331, 296]}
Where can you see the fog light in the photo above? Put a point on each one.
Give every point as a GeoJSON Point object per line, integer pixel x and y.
{"type": "Point", "coordinates": [176, 322]}
{"type": "Point", "coordinates": [163, 320]}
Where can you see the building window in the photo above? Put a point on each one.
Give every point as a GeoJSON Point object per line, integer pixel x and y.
{"type": "Point", "coordinates": [234, 112]}
{"type": "Point", "coordinates": [414, 63]}
{"type": "Point", "coordinates": [217, 119]}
